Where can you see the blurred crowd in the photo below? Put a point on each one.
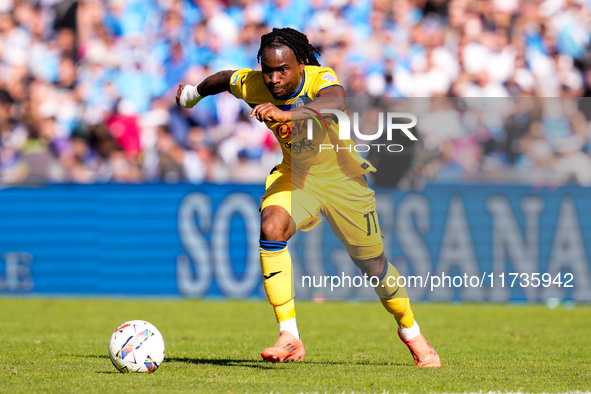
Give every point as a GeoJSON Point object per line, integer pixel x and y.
{"type": "Point", "coordinates": [543, 141]}
{"type": "Point", "coordinates": [87, 87]}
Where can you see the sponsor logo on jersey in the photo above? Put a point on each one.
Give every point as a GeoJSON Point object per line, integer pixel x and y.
{"type": "Point", "coordinates": [283, 131]}
{"type": "Point", "coordinates": [329, 78]}
{"type": "Point", "coordinates": [302, 146]}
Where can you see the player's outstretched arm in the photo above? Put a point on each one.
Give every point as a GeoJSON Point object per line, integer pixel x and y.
{"type": "Point", "coordinates": [333, 97]}
{"type": "Point", "coordinates": [187, 96]}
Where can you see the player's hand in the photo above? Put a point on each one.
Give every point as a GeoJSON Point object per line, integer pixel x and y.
{"type": "Point", "coordinates": [268, 112]}
{"type": "Point", "coordinates": [187, 96]}
{"type": "Point", "coordinates": [178, 94]}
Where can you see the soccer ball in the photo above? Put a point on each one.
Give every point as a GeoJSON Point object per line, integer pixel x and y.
{"type": "Point", "coordinates": [136, 346]}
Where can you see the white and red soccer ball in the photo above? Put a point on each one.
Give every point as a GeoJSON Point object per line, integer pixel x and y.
{"type": "Point", "coordinates": [136, 346]}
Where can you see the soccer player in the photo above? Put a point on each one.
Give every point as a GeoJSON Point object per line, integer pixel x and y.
{"type": "Point", "coordinates": [289, 88]}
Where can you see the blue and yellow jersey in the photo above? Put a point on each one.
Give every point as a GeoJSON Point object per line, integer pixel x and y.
{"type": "Point", "coordinates": [299, 152]}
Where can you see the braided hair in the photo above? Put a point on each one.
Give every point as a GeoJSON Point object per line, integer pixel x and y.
{"type": "Point", "coordinates": [293, 39]}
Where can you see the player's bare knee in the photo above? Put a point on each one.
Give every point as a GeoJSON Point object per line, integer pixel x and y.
{"type": "Point", "coordinates": [275, 224]}
{"type": "Point", "coordinates": [274, 230]}
{"type": "Point", "coordinates": [372, 267]}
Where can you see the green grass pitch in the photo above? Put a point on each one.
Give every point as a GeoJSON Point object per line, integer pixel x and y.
{"type": "Point", "coordinates": [60, 346]}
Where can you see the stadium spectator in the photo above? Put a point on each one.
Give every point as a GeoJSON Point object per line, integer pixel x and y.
{"type": "Point", "coordinates": [87, 87]}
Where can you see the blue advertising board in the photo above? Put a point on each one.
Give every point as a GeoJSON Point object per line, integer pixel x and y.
{"type": "Point", "coordinates": [202, 241]}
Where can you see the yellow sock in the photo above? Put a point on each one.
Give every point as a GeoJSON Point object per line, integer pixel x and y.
{"type": "Point", "coordinates": [278, 278]}
{"type": "Point", "coordinates": [285, 312]}
{"type": "Point", "coordinates": [395, 298]}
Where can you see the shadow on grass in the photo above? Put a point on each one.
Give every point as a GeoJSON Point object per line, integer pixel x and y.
{"type": "Point", "coordinates": [86, 355]}
{"type": "Point", "coordinates": [260, 364]}
{"type": "Point", "coordinates": [255, 364]}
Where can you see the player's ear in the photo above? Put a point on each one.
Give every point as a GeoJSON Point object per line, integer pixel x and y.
{"type": "Point", "coordinates": [302, 67]}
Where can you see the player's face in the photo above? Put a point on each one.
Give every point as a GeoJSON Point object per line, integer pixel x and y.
{"type": "Point", "coordinates": [281, 71]}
